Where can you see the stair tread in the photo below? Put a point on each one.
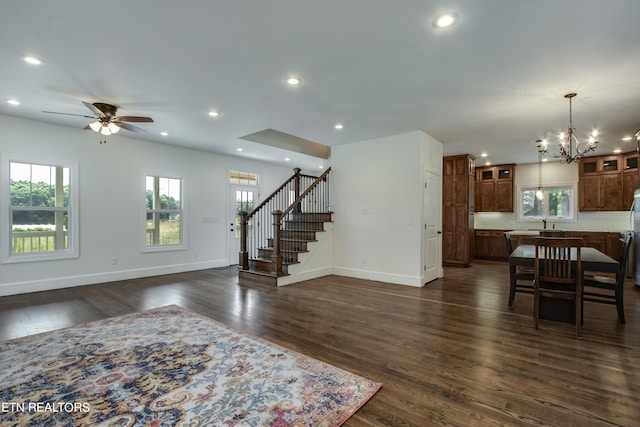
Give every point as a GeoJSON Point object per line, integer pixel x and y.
{"type": "Point", "coordinates": [261, 273]}
{"type": "Point", "coordinates": [262, 259]}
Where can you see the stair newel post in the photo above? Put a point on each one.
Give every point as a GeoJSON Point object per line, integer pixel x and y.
{"type": "Point", "coordinates": [276, 256]}
{"type": "Point", "coordinates": [244, 255]}
{"type": "Point", "coordinates": [298, 207]}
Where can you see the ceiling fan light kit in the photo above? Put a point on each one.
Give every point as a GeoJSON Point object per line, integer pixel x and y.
{"type": "Point", "coordinates": [106, 122]}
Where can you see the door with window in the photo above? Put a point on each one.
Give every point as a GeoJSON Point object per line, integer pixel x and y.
{"type": "Point", "coordinates": [242, 198]}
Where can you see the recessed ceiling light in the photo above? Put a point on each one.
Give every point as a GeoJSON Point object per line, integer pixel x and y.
{"type": "Point", "coordinates": [445, 20]}
{"type": "Point", "coordinates": [293, 81]}
{"type": "Point", "coordinates": [627, 138]}
{"type": "Point", "coordinates": [545, 160]}
{"type": "Point", "coordinates": [32, 60]}
{"type": "Point", "coordinates": [239, 149]}
{"type": "Point", "coordinates": [483, 155]}
{"type": "Point", "coordinates": [164, 133]}
{"type": "Point", "coordinates": [487, 163]}
{"type": "Point", "coordinates": [321, 166]}
{"type": "Point", "coordinates": [13, 101]}
{"type": "Point", "coordinates": [617, 151]}
{"type": "Point", "coordinates": [338, 126]}
{"type": "Point", "coordinates": [214, 113]}
{"type": "Point", "coordinates": [286, 159]}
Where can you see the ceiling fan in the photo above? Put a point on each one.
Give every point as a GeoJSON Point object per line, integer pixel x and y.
{"type": "Point", "coordinates": [106, 121]}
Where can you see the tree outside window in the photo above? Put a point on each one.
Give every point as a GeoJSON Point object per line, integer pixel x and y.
{"type": "Point", "coordinates": [42, 210]}
{"type": "Point", "coordinates": [556, 203]}
{"type": "Point", "coordinates": [164, 212]}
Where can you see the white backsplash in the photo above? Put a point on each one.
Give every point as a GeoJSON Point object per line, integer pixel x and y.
{"type": "Point", "coordinates": [587, 221]}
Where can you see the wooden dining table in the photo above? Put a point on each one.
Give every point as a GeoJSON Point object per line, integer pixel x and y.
{"type": "Point", "coordinates": [591, 258]}
{"type": "Point", "coordinates": [562, 310]}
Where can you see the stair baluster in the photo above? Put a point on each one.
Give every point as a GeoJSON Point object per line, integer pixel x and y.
{"type": "Point", "coordinates": [261, 234]}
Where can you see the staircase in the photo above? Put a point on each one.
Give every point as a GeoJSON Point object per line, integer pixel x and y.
{"type": "Point", "coordinates": [278, 235]}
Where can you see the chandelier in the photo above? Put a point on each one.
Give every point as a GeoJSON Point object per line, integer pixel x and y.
{"type": "Point", "coordinates": [569, 147]}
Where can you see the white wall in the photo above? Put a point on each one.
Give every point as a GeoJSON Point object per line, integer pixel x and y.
{"type": "Point", "coordinates": [112, 189]}
{"type": "Point", "coordinates": [552, 173]}
{"type": "Point", "coordinates": [377, 200]}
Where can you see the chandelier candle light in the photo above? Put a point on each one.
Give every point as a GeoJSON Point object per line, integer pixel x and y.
{"type": "Point", "coordinates": [569, 146]}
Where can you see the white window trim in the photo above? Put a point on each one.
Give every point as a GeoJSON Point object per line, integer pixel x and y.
{"type": "Point", "coordinates": [574, 203]}
{"type": "Point", "coordinates": [73, 251]}
{"type": "Point", "coordinates": [182, 246]}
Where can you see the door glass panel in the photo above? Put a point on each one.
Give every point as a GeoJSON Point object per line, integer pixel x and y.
{"type": "Point", "coordinates": [244, 203]}
{"type": "Point", "coordinates": [589, 167]}
{"type": "Point", "coordinates": [504, 174]}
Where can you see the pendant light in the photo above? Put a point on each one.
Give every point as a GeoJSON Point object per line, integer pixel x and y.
{"type": "Point", "coordinates": [539, 192]}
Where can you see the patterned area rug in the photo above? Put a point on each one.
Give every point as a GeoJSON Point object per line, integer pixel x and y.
{"type": "Point", "coordinates": [167, 367]}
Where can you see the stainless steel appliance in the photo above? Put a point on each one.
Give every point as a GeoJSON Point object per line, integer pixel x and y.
{"type": "Point", "coordinates": [635, 258]}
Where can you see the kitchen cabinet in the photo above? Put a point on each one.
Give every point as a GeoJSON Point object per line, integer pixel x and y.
{"type": "Point", "coordinates": [494, 188]}
{"type": "Point", "coordinates": [592, 239]}
{"type": "Point", "coordinates": [630, 179]}
{"type": "Point", "coordinates": [457, 210]}
{"type": "Point", "coordinates": [613, 245]}
{"type": "Point", "coordinates": [600, 184]}
{"type": "Point", "coordinates": [490, 244]}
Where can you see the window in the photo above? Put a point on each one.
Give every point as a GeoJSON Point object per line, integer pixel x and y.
{"type": "Point", "coordinates": [243, 178]}
{"type": "Point", "coordinates": [42, 211]}
{"type": "Point", "coordinates": [164, 225]}
{"type": "Point", "coordinates": [557, 202]}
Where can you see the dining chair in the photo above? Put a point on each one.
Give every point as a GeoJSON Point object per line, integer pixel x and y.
{"type": "Point", "coordinates": [606, 289]}
{"type": "Point", "coordinates": [557, 275]}
{"type": "Point", "coordinates": [520, 278]}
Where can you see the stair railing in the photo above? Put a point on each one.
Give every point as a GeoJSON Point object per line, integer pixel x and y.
{"type": "Point", "coordinates": [264, 223]}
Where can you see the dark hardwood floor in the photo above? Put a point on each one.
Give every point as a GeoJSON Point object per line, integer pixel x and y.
{"type": "Point", "coordinates": [452, 353]}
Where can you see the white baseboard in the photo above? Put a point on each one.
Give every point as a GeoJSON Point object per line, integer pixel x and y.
{"type": "Point", "coordinates": [112, 276]}
{"type": "Point", "coordinates": [398, 279]}
{"type": "Point", "coordinates": [307, 275]}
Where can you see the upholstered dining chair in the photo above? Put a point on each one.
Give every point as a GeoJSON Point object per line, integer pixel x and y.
{"type": "Point", "coordinates": [557, 275]}
{"type": "Point", "coordinates": [609, 290]}
{"type": "Point", "coordinates": [520, 278]}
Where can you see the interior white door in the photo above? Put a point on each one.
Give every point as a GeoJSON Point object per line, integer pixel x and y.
{"type": "Point", "coordinates": [432, 238]}
{"type": "Point", "coordinates": [242, 198]}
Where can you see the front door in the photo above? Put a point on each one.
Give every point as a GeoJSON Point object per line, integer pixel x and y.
{"type": "Point", "coordinates": [431, 240]}
{"type": "Point", "coordinates": [242, 198]}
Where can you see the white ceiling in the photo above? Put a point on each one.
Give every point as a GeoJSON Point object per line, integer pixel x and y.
{"type": "Point", "coordinates": [494, 82]}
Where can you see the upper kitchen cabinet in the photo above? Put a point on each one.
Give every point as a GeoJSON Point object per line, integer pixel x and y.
{"type": "Point", "coordinates": [494, 188]}
{"type": "Point", "coordinates": [600, 184]}
{"type": "Point", "coordinates": [630, 179]}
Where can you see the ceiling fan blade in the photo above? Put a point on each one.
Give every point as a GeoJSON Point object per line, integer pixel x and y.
{"type": "Point", "coordinates": [93, 108]}
{"type": "Point", "coordinates": [70, 114]}
{"type": "Point", "coordinates": [131, 128]}
{"type": "Point", "coordinates": [133, 119]}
